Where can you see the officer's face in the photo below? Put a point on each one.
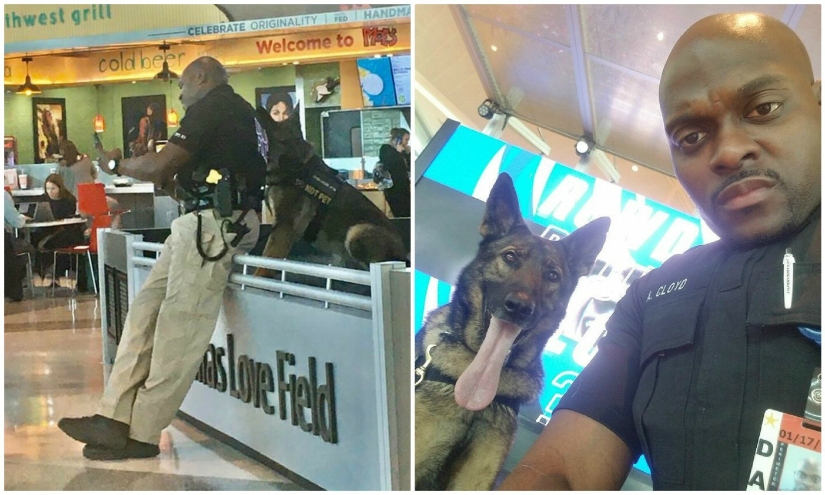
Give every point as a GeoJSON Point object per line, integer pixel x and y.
{"type": "Point", "coordinates": [743, 121]}
{"type": "Point", "coordinates": [808, 477]}
{"type": "Point", "coordinates": [189, 87]}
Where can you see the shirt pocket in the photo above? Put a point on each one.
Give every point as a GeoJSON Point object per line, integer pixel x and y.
{"type": "Point", "coordinates": [767, 307]}
{"type": "Point", "coordinates": [666, 361]}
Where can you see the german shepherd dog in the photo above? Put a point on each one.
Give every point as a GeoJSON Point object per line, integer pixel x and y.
{"type": "Point", "coordinates": [343, 223]}
{"type": "Point", "coordinates": [483, 349]}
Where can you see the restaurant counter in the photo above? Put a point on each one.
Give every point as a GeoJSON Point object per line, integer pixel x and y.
{"type": "Point", "coordinates": [312, 379]}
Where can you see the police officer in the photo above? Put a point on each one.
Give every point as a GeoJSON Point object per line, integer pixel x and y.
{"type": "Point", "coordinates": [215, 164]}
{"type": "Point", "coordinates": [699, 349]}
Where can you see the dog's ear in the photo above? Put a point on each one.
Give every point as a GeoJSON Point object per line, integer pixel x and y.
{"type": "Point", "coordinates": [584, 244]}
{"type": "Point", "coordinates": [502, 214]}
{"type": "Point", "coordinates": [265, 120]}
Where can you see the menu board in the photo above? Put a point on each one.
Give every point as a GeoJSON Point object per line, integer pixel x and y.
{"type": "Point", "coordinates": [377, 86]}
{"type": "Point", "coordinates": [401, 78]}
{"type": "Point", "coordinates": [375, 128]}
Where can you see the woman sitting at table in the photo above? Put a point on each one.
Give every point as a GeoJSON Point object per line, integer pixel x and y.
{"type": "Point", "coordinates": [15, 267]}
{"type": "Point", "coordinates": [75, 168]}
{"type": "Point", "coordinates": [63, 205]}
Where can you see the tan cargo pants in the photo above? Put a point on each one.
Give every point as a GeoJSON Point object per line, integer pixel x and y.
{"type": "Point", "coordinates": [169, 326]}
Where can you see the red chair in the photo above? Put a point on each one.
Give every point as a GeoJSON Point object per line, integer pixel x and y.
{"type": "Point", "coordinates": [91, 200]}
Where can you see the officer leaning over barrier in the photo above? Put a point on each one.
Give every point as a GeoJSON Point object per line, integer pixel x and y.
{"type": "Point", "coordinates": [215, 165]}
{"type": "Point", "coordinates": [715, 352]}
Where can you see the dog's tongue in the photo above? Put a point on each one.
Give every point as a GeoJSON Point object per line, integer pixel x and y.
{"type": "Point", "coordinates": [477, 386]}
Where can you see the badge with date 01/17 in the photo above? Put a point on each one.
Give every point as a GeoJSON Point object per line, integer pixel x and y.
{"type": "Point", "coordinates": [788, 455]}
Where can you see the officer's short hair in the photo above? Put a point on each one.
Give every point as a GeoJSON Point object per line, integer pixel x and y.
{"type": "Point", "coordinates": [213, 70]}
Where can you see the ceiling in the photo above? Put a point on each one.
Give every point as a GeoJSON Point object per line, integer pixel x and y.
{"type": "Point", "coordinates": [578, 69]}
{"type": "Point", "coordinates": [236, 12]}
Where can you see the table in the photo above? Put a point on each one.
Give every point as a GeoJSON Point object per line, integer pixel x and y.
{"type": "Point", "coordinates": [53, 223]}
{"type": "Point", "coordinates": [37, 191]}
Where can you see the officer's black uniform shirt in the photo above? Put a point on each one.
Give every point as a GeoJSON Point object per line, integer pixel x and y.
{"type": "Point", "coordinates": [695, 353]}
{"type": "Point", "coordinates": [219, 131]}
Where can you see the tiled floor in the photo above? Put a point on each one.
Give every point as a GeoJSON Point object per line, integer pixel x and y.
{"type": "Point", "coordinates": [53, 368]}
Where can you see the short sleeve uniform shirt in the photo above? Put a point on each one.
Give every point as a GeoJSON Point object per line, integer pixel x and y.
{"type": "Point", "coordinates": [219, 131]}
{"type": "Point", "coordinates": [697, 350]}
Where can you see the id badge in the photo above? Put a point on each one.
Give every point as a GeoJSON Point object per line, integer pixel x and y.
{"type": "Point", "coordinates": [788, 455]}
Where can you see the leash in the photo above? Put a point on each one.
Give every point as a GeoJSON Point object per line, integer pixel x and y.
{"type": "Point", "coordinates": [422, 370]}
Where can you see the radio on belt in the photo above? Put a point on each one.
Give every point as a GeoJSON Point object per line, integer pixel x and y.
{"type": "Point", "coordinates": [222, 195]}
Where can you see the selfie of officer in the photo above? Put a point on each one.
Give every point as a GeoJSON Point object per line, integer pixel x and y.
{"type": "Point", "coordinates": [214, 164]}
{"type": "Point", "coordinates": [686, 376]}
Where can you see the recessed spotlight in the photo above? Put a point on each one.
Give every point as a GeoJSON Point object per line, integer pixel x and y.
{"type": "Point", "coordinates": [660, 36]}
{"type": "Point", "coordinates": [134, 82]}
{"type": "Point", "coordinates": [634, 168]}
{"type": "Point", "coordinates": [295, 62]}
{"type": "Point", "coordinates": [583, 146]}
{"type": "Point", "coordinates": [487, 109]}
{"type": "Point", "coordinates": [494, 48]}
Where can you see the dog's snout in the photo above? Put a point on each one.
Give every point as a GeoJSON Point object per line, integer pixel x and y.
{"type": "Point", "coordinates": [519, 305]}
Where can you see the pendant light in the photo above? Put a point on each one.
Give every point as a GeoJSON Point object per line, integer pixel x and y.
{"type": "Point", "coordinates": [99, 122]}
{"type": "Point", "coordinates": [28, 88]}
{"type": "Point", "coordinates": [172, 118]}
{"type": "Point", "coordinates": [165, 74]}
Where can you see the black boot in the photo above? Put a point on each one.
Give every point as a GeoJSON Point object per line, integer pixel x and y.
{"type": "Point", "coordinates": [132, 450]}
{"type": "Point", "coordinates": [96, 430]}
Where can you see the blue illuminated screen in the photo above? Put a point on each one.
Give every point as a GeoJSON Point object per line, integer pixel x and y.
{"type": "Point", "coordinates": [642, 236]}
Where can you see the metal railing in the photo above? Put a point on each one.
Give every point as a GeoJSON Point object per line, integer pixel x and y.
{"type": "Point", "coordinates": [282, 286]}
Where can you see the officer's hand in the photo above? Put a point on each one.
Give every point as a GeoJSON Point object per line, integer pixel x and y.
{"type": "Point", "coordinates": [104, 157]}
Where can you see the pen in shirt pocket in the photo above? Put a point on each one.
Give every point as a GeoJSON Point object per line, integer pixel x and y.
{"type": "Point", "coordinates": [787, 279]}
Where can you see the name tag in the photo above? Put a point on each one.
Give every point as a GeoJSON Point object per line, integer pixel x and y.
{"type": "Point", "coordinates": [788, 455]}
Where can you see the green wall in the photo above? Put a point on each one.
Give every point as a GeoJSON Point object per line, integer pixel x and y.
{"type": "Point", "coordinates": [80, 111]}
{"type": "Point", "coordinates": [83, 103]}
{"type": "Point", "coordinates": [246, 82]}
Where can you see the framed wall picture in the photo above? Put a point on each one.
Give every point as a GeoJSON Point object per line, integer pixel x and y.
{"type": "Point", "coordinates": [10, 158]}
{"type": "Point", "coordinates": [280, 101]}
{"type": "Point", "coordinates": [49, 126]}
{"type": "Point", "coordinates": [144, 123]}
{"type": "Point", "coordinates": [322, 84]}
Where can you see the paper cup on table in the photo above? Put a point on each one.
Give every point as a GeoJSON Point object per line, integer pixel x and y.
{"type": "Point", "coordinates": [24, 181]}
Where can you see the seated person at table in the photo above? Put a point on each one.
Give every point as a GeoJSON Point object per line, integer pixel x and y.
{"type": "Point", "coordinates": [14, 266]}
{"type": "Point", "coordinates": [77, 168]}
{"type": "Point", "coordinates": [63, 205]}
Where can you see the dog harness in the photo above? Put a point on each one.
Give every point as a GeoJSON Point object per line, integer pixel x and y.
{"type": "Point", "coordinates": [320, 183]}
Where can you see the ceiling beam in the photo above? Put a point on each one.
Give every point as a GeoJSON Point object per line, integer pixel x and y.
{"type": "Point", "coordinates": [580, 69]}
{"type": "Point", "coordinates": [792, 15]}
{"type": "Point", "coordinates": [484, 72]}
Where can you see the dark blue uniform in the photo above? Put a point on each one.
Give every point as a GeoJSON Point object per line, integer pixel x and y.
{"type": "Point", "coordinates": [220, 132]}
{"type": "Point", "coordinates": [695, 353]}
